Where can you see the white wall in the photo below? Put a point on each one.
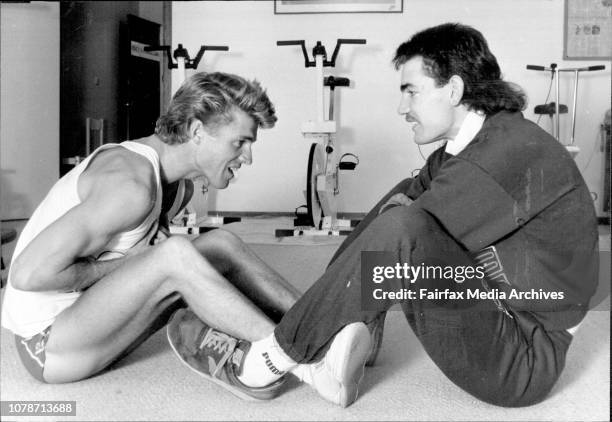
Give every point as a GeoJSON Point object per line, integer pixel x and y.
{"type": "Point", "coordinates": [519, 32]}
{"type": "Point", "coordinates": [29, 109]}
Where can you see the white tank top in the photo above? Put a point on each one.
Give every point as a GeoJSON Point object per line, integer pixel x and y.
{"type": "Point", "coordinates": [28, 313]}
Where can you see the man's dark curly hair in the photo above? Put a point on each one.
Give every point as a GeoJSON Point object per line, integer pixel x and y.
{"type": "Point", "coordinates": [455, 49]}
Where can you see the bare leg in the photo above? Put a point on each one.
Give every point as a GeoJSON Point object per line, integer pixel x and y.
{"type": "Point", "coordinates": [113, 313]}
{"type": "Point", "coordinates": [245, 270]}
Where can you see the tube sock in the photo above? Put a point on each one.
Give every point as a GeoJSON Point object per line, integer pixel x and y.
{"type": "Point", "coordinates": [265, 363]}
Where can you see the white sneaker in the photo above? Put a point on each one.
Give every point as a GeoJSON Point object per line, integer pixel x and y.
{"type": "Point", "coordinates": [336, 377]}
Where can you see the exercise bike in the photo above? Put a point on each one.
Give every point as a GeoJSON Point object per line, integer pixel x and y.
{"type": "Point", "coordinates": [322, 173]}
{"type": "Point", "coordinates": [179, 193]}
{"type": "Point", "coordinates": [555, 109]}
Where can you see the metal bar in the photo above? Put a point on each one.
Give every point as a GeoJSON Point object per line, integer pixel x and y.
{"type": "Point", "coordinates": [319, 89]}
{"type": "Point", "coordinates": [574, 106]}
{"type": "Point", "coordinates": [101, 133]}
{"type": "Point", "coordinates": [87, 136]}
{"type": "Point", "coordinates": [557, 116]}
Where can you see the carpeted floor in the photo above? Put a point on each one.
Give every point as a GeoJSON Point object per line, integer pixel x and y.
{"type": "Point", "coordinates": [151, 384]}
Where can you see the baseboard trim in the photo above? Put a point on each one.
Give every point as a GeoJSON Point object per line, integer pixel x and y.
{"type": "Point", "coordinates": [343, 215]}
{"type": "Point", "coordinates": [602, 220]}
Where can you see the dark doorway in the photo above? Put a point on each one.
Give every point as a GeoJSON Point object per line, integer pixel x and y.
{"type": "Point", "coordinates": [141, 78]}
{"type": "Point", "coordinates": [104, 82]}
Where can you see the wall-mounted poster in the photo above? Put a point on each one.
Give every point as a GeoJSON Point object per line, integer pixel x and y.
{"type": "Point", "coordinates": [588, 29]}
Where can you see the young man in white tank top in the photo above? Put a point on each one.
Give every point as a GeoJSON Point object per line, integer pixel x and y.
{"type": "Point", "coordinates": [92, 276]}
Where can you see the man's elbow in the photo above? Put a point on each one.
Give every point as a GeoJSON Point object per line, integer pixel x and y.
{"type": "Point", "coordinates": [27, 277]}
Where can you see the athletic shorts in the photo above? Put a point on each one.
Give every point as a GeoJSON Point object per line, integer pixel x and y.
{"type": "Point", "coordinates": [32, 352]}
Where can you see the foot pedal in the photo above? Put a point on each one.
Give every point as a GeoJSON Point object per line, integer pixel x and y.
{"type": "Point", "coordinates": [302, 220]}
{"type": "Point", "coordinates": [349, 164]}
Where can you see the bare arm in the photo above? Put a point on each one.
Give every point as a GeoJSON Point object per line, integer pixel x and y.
{"type": "Point", "coordinates": [113, 201]}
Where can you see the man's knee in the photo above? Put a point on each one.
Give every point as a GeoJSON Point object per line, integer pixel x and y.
{"type": "Point", "coordinates": [410, 220]}
{"type": "Point", "coordinates": [223, 239]}
{"type": "Point", "coordinates": [217, 241]}
{"type": "Point", "coordinates": [174, 253]}
{"type": "Point", "coordinates": [174, 245]}
{"type": "Point", "coordinates": [61, 368]}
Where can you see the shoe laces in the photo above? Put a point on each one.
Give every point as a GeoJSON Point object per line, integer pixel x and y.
{"type": "Point", "coordinates": [220, 343]}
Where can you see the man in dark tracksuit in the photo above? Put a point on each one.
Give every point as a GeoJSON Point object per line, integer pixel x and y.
{"type": "Point", "coordinates": [512, 192]}
{"type": "Point", "coordinates": [536, 213]}
{"type": "Point", "coordinates": [501, 195]}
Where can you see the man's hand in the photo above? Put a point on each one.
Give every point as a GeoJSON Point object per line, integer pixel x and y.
{"type": "Point", "coordinates": [396, 200]}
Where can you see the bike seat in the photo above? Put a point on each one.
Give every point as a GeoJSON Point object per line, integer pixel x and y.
{"type": "Point", "coordinates": [333, 82]}
{"type": "Point", "coordinates": [549, 109]}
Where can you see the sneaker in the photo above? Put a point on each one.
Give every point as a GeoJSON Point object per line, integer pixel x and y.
{"type": "Point", "coordinates": [336, 377]}
{"type": "Point", "coordinates": [214, 355]}
{"type": "Point", "coordinates": [376, 328]}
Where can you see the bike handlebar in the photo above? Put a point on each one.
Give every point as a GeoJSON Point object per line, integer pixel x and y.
{"type": "Point", "coordinates": [319, 49]}
{"type": "Point", "coordinates": [341, 41]}
{"type": "Point", "coordinates": [181, 52]}
{"type": "Point", "coordinates": [198, 57]}
{"type": "Point", "coordinates": [534, 67]}
{"type": "Point", "coordinates": [553, 66]}
{"type": "Point", "coordinates": [351, 41]}
{"type": "Point", "coordinates": [216, 47]}
{"type": "Point", "coordinates": [300, 42]}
